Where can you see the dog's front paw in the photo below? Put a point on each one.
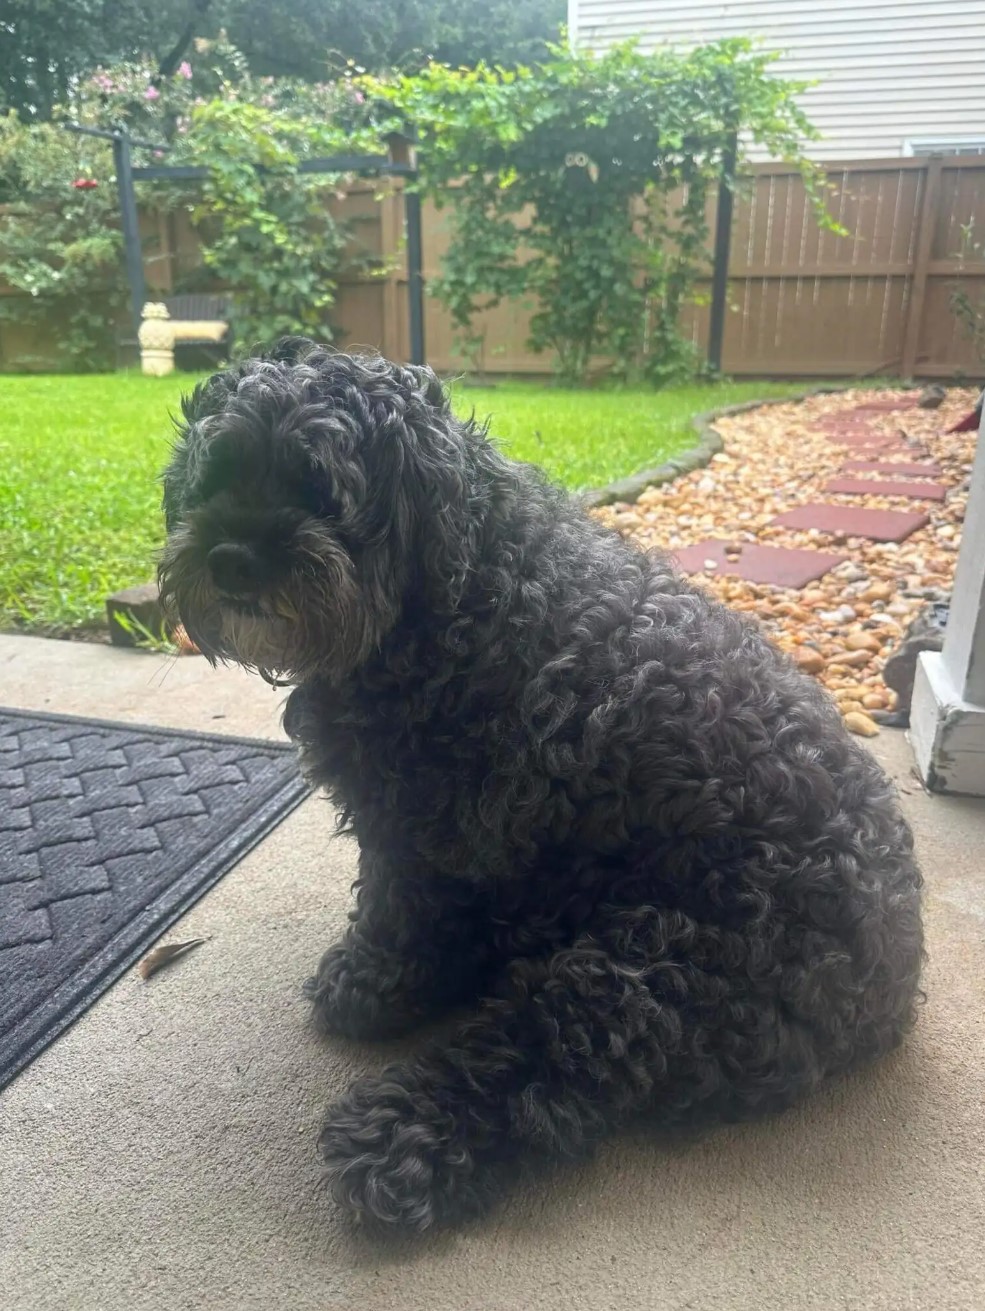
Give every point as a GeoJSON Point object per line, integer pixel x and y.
{"type": "Point", "coordinates": [350, 998]}
{"type": "Point", "coordinates": [396, 1157]}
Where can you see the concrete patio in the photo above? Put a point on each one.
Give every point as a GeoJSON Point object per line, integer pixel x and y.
{"type": "Point", "coordinates": [161, 1153]}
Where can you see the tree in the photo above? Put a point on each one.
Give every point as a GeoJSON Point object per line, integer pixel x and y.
{"type": "Point", "coordinates": [311, 38]}
{"type": "Point", "coordinates": [45, 45]}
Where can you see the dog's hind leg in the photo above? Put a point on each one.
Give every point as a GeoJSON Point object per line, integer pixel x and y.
{"type": "Point", "coordinates": [573, 1044]}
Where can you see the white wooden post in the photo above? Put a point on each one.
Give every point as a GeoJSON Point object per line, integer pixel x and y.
{"type": "Point", "coordinates": [947, 714]}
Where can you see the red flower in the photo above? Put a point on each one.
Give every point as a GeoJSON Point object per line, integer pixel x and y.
{"type": "Point", "coordinates": [85, 184]}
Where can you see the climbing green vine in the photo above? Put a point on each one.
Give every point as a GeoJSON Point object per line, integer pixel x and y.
{"type": "Point", "coordinates": [581, 187]}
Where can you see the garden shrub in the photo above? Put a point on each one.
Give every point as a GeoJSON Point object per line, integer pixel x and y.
{"type": "Point", "coordinates": [267, 232]}
{"type": "Point", "coordinates": [967, 296]}
{"type": "Point", "coordinates": [60, 245]}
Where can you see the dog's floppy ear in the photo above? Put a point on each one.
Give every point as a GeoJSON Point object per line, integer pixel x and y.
{"type": "Point", "coordinates": [206, 399]}
{"type": "Point", "coordinates": [290, 350]}
{"type": "Point", "coordinates": [210, 396]}
{"type": "Point", "coordinates": [430, 386]}
{"type": "Point", "coordinates": [436, 481]}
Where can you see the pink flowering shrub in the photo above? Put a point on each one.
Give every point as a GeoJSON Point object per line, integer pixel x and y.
{"type": "Point", "coordinates": [268, 237]}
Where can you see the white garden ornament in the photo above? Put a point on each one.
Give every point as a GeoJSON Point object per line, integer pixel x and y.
{"type": "Point", "coordinates": [156, 337]}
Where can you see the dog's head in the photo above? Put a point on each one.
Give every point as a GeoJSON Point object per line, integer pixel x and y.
{"type": "Point", "coordinates": [309, 494]}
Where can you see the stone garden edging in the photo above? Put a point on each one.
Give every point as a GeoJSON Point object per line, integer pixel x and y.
{"type": "Point", "coordinates": [695, 457]}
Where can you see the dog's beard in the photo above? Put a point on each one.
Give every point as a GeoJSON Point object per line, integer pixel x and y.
{"type": "Point", "coordinates": [314, 622]}
{"type": "Point", "coordinates": [258, 640]}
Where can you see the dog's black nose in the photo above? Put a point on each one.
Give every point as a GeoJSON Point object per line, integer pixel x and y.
{"type": "Point", "coordinates": [235, 568]}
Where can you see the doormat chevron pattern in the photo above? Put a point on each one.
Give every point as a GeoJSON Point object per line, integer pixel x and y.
{"type": "Point", "coordinates": [108, 833]}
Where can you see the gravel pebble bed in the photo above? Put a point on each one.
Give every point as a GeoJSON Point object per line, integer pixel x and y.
{"type": "Point", "coordinates": [841, 628]}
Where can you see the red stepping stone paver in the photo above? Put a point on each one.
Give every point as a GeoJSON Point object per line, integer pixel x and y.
{"type": "Point", "coordinates": [878, 448]}
{"type": "Point", "coordinates": [846, 425]}
{"type": "Point", "coordinates": [858, 439]}
{"type": "Point", "coordinates": [879, 487]}
{"type": "Point", "coordinates": [779, 565]}
{"type": "Point", "coordinates": [855, 439]}
{"type": "Point", "coordinates": [878, 452]}
{"type": "Point", "coordinates": [887, 407]}
{"type": "Point", "coordinates": [853, 521]}
{"type": "Point", "coordinates": [893, 467]}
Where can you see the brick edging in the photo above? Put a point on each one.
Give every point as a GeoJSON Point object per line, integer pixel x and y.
{"type": "Point", "coordinates": [695, 457]}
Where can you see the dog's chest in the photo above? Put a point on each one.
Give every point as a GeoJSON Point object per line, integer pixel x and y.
{"type": "Point", "coordinates": [414, 781]}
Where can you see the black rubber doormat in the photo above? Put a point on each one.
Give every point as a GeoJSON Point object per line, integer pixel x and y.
{"type": "Point", "coordinates": [107, 834]}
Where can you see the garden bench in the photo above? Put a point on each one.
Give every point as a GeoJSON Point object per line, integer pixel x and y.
{"type": "Point", "coordinates": [202, 320]}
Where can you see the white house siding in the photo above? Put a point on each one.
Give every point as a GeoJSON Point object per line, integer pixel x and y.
{"type": "Point", "coordinates": [889, 72]}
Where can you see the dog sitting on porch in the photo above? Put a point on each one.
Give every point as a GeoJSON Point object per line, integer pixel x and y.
{"type": "Point", "coordinates": [593, 806]}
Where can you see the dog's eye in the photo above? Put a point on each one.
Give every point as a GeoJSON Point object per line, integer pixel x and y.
{"type": "Point", "coordinates": [315, 495]}
{"type": "Point", "coordinates": [220, 472]}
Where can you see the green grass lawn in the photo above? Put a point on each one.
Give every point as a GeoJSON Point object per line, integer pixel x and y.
{"type": "Point", "coordinates": [585, 439]}
{"type": "Point", "coordinates": [80, 458]}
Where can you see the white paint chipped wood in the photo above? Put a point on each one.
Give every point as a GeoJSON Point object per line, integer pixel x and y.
{"type": "Point", "coordinates": [947, 715]}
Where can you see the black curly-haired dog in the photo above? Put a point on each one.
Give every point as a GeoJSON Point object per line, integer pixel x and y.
{"type": "Point", "coordinates": [592, 804]}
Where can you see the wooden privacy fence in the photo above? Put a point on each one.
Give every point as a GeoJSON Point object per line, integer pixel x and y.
{"type": "Point", "coordinates": [805, 301]}
{"type": "Point", "coordinates": [802, 301]}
